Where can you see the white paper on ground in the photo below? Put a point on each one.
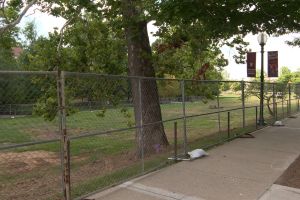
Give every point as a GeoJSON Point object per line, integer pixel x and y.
{"type": "Point", "coordinates": [278, 123]}
{"type": "Point", "coordinates": [197, 153]}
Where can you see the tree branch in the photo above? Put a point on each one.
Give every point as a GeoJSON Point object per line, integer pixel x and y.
{"type": "Point", "coordinates": [14, 23]}
{"type": "Point", "coordinates": [58, 49]}
{"type": "Point", "coordinates": [62, 35]}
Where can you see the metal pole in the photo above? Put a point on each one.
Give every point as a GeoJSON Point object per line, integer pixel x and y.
{"type": "Point", "coordinates": [219, 115]}
{"type": "Point", "coordinates": [175, 141]}
{"type": "Point", "coordinates": [261, 113]}
{"type": "Point", "coordinates": [65, 142]}
{"type": "Point", "coordinates": [255, 117]}
{"type": "Point", "coordinates": [69, 163]}
{"type": "Point", "coordinates": [228, 125]}
{"type": "Point", "coordinates": [274, 99]}
{"type": "Point", "coordinates": [282, 109]}
{"type": "Point", "coordinates": [289, 105]}
{"type": "Point", "coordinates": [182, 84]}
{"type": "Point", "coordinates": [287, 108]}
{"type": "Point", "coordinates": [141, 138]}
{"type": "Point", "coordinates": [298, 105]}
{"type": "Point", "coordinates": [243, 101]}
{"type": "Point", "coordinates": [276, 116]}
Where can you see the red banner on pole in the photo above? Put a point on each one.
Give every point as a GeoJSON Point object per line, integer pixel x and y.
{"type": "Point", "coordinates": [273, 64]}
{"type": "Point", "coordinates": [251, 64]}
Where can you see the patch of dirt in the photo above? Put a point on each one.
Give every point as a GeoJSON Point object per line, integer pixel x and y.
{"type": "Point", "coordinates": [291, 176]}
{"type": "Point", "coordinates": [76, 131]}
{"type": "Point", "coordinates": [42, 134]}
{"type": "Point", "coordinates": [39, 186]}
{"type": "Point", "coordinates": [109, 164]}
{"type": "Point", "coordinates": [103, 166]}
{"type": "Point", "coordinates": [29, 160]}
{"type": "Point", "coordinates": [51, 133]}
{"type": "Point", "coordinates": [31, 175]}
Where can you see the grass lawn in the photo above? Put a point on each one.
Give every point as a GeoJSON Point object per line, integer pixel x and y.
{"type": "Point", "coordinates": [34, 128]}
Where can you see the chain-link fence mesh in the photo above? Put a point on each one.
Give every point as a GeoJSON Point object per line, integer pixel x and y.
{"type": "Point", "coordinates": [102, 130]}
{"type": "Point", "coordinates": [170, 98]}
{"type": "Point", "coordinates": [98, 103]}
{"type": "Point", "coordinates": [27, 108]}
{"type": "Point", "coordinates": [28, 121]}
{"type": "Point", "coordinates": [103, 160]}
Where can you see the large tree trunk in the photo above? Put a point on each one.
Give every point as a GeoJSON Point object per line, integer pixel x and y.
{"type": "Point", "coordinates": [145, 97]}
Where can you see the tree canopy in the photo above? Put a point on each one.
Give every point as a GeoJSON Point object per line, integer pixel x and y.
{"type": "Point", "coordinates": [110, 36]}
{"type": "Point", "coordinates": [203, 24]}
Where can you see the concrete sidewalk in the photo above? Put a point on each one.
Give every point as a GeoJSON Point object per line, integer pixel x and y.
{"type": "Point", "coordinates": [243, 169]}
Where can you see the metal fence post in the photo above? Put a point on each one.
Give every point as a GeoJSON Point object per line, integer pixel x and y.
{"type": "Point", "coordinates": [276, 116]}
{"type": "Point", "coordinates": [289, 105]}
{"type": "Point", "coordinates": [256, 117]}
{"type": "Point", "coordinates": [182, 84]}
{"type": "Point", "coordinates": [90, 105]}
{"type": "Point", "coordinates": [141, 134]}
{"type": "Point", "coordinates": [287, 108]}
{"type": "Point", "coordinates": [282, 108]}
{"type": "Point", "coordinates": [65, 142]}
{"type": "Point", "coordinates": [219, 115]}
{"type": "Point", "coordinates": [243, 101]}
{"type": "Point", "coordinates": [274, 99]}
{"type": "Point", "coordinates": [228, 125]}
{"type": "Point", "coordinates": [175, 141]}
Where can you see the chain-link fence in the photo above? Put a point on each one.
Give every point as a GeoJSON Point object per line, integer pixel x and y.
{"type": "Point", "coordinates": [65, 135]}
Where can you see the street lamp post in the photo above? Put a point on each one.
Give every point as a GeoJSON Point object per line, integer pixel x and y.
{"type": "Point", "coordinates": [262, 40]}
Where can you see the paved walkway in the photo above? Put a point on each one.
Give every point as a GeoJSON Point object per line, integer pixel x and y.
{"type": "Point", "coordinates": [243, 169]}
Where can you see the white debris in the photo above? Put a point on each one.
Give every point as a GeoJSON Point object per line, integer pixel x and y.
{"type": "Point", "coordinates": [197, 153]}
{"type": "Point", "coordinates": [278, 123]}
